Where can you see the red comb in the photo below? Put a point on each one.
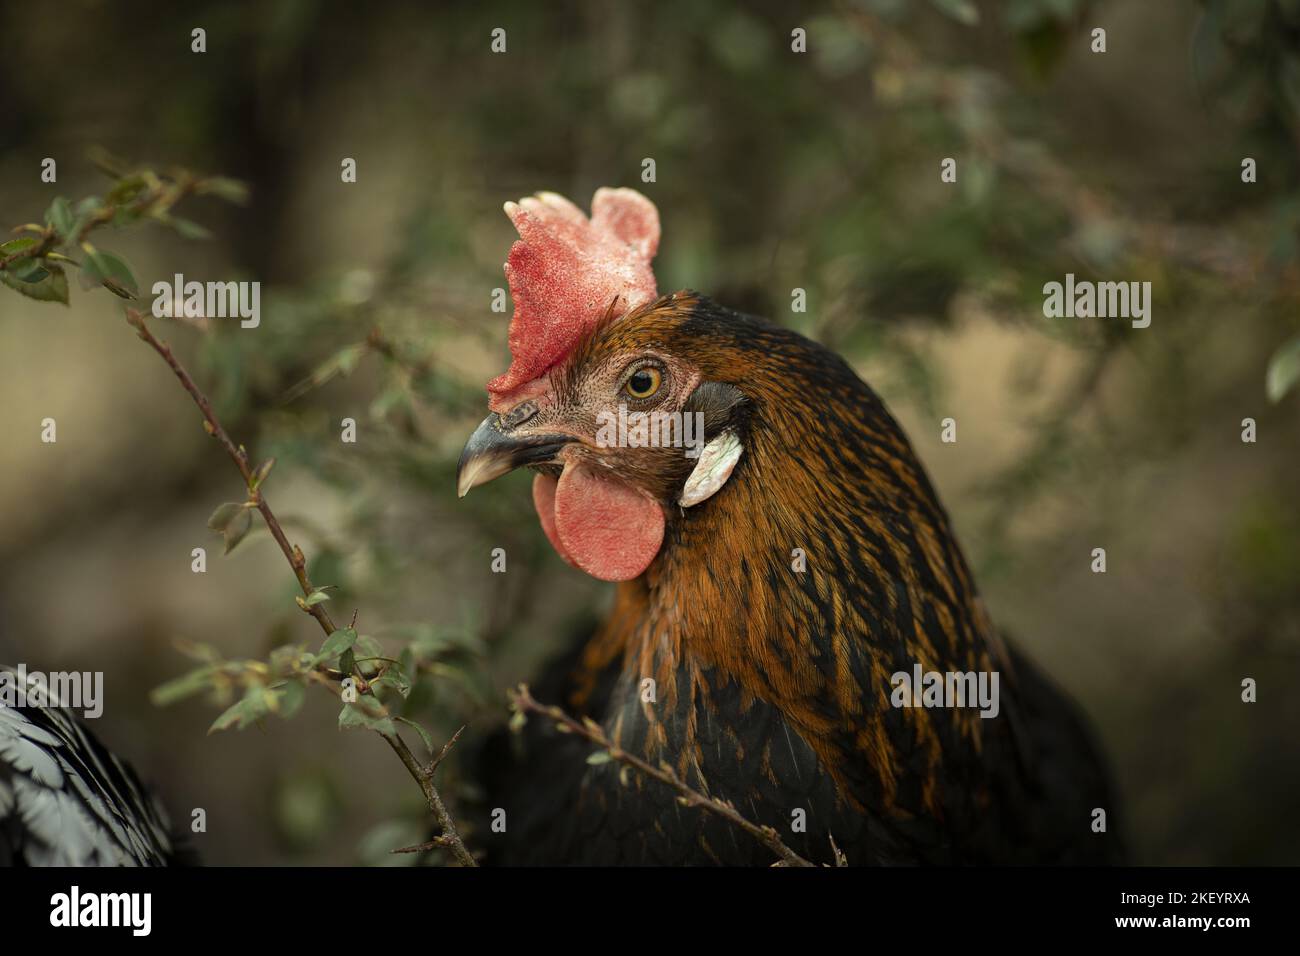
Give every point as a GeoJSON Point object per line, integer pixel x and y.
{"type": "Point", "coordinates": [565, 272]}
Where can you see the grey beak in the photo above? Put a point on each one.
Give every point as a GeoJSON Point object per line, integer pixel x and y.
{"type": "Point", "coordinates": [491, 452]}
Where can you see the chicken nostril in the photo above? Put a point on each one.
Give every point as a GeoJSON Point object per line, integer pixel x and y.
{"type": "Point", "coordinates": [518, 415]}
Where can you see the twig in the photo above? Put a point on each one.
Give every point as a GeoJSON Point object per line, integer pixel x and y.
{"type": "Point", "coordinates": [421, 775]}
{"type": "Point", "coordinates": [434, 844]}
{"type": "Point", "coordinates": [159, 197]}
{"type": "Point", "coordinates": [240, 457]}
{"type": "Point", "coordinates": [840, 858]}
{"type": "Point", "coordinates": [524, 701]}
{"type": "Point", "coordinates": [446, 749]}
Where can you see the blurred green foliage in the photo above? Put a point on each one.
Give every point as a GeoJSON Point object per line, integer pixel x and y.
{"type": "Point", "coordinates": [775, 171]}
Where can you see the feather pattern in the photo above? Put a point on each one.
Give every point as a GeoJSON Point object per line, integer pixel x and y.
{"type": "Point", "coordinates": [65, 800]}
{"type": "Point", "coordinates": [773, 683]}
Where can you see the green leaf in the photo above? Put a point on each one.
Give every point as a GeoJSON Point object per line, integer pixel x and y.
{"type": "Point", "coordinates": [126, 189]}
{"type": "Point", "coordinates": [126, 215]}
{"type": "Point", "coordinates": [253, 706]}
{"type": "Point", "coordinates": [198, 651]}
{"type": "Point", "coordinates": [237, 529]}
{"type": "Point", "coordinates": [290, 695]}
{"type": "Point", "coordinates": [61, 217]}
{"type": "Point", "coordinates": [1283, 370]}
{"type": "Point", "coordinates": [360, 715]}
{"type": "Point", "coordinates": [177, 689]}
{"type": "Point", "coordinates": [187, 228]}
{"type": "Point", "coordinates": [30, 272]}
{"type": "Point", "coordinates": [338, 642]}
{"type": "Point", "coordinates": [352, 716]}
{"type": "Point", "coordinates": [348, 357]}
{"type": "Point", "coordinates": [424, 734]}
{"type": "Point", "coordinates": [288, 659]}
{"type": "Point", "coordinates": [395, 397]}
{"type": "Point", "coordinates": [231, 190]}
{"type": "Point", "coordinates": [316, 597]}
{"type": "Point", "coordinates": [53, 288]}
{"type": "Point", "coordinates": [263, 470]}
{"type": "Point", "coordinates": [108, 270]}
{"type": "Point", "coordinates": [343, 362]}
{"type": "Point", "coordinates": [233, 520]}
{"type": "Point", "coordinates": [228, 717]}
{"type": "Point", "coordinates": [224, 514]}
{"type": "Point", "coordinates": [16, 245]}
{"type": "Point", "coordinates": [85, 209]}
{"type": "Point", "coordinates": [399, 675]}
{"type": "Point", "coordinates": [963, 11]}
{"type": "Point", "coordinates": [599, 757]}
{"type": "Point", "coordinates": [395, 677]}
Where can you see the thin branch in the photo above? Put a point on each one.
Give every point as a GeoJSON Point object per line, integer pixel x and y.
{"type": "Point", "coordinates": [157, 198]}
{"type": "Point", "coordinates": [425, 780]}
{"type": "Point", "coordinates": [523, 701]}
{"type": "Point", "coordinates": [434, 844]}
{"type": "Point", "coordinates": [240, 457]}
{"type": "Point", "coordinates": [297, 560]}
{"type": "Point", "coordinates": [446, 749]}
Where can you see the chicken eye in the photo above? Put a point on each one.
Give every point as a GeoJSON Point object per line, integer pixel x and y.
{"type": "Point", "coordinates": [644, 382]}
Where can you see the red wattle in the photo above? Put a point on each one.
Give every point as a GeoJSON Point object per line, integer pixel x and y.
{"type": "Point", "coordinates": [601, 526]}
{"type": "Point", "coordinates": [544, 502]}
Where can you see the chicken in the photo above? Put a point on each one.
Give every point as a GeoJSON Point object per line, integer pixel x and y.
{"type": "Point", "coordinates": [779, 572]}
{"type": "Point", "coordinates": [65, 800]}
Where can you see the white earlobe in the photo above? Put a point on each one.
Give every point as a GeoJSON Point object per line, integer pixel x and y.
{"type": "Point", "coordinates": [712, 470]}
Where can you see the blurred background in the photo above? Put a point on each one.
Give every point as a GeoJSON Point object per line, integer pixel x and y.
{"type": "Point", "coordinates": [774, 170]}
